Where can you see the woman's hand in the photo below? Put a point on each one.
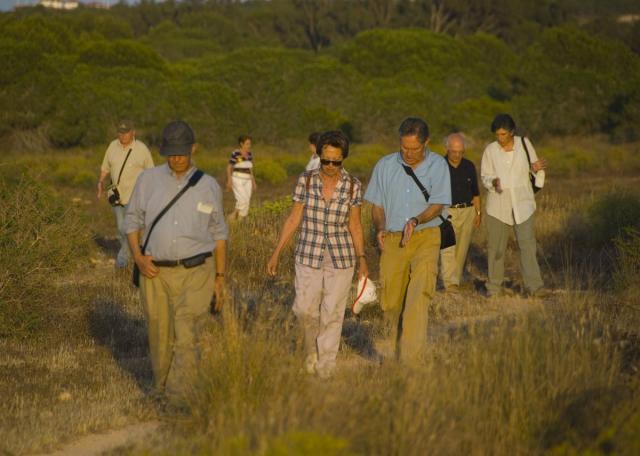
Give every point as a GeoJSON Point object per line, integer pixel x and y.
{"type": "Point", "coordinates": [540, 164]}
{"type": "Point", "coordinates": [272, 264]}
{"type": "Point", "coordinates": [363, 269]}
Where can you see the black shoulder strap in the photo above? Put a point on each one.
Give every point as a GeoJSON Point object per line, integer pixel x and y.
{"type": "Point", "coordinates": [123, 163]}
{"type": "Point", "coordinates": [425, 193]}
{"type": "Point", "coordinates": [193, 180]}
{"type": "Point", "coordinates": [524, 144]}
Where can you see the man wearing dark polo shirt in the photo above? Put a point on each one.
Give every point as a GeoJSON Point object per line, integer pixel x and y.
{"type": "Point", "coordinates": [465, 211]}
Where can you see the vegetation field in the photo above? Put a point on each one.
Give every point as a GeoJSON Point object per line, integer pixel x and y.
{"type": "Point", "coordinates": [508, 376]}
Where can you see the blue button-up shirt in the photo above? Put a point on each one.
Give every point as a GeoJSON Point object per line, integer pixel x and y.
{"type": "Point", "coordinates": [396, 192]}
{"type": "Point", "coordinates": [190, 227]}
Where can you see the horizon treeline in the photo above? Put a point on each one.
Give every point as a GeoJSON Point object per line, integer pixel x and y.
{"type": "Point", "coordinates": [278, 70]}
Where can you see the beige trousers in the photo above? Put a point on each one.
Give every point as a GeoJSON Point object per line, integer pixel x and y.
{"type": "Point", "coordinates": [452, 259]}
{"type": "Point", "coordinates": [176, 304]}
{"type": "Point", "coordinates": [408, 283]}
{"type": "Point", "coordinates": [321, 298]}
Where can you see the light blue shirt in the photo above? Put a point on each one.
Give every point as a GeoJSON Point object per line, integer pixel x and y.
{"type": "Point", "coordinates": [396, 192]}
{"type": "Point", "coordinates": [190, 227]}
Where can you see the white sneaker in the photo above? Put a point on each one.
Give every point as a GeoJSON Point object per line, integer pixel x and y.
{"type": "Point", "coordinates": [310, 363]}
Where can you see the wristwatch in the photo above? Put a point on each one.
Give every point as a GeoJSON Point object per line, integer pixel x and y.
{"type": "Point", "coordinates": [219, 274]}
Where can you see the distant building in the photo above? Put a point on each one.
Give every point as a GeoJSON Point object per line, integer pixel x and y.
{"type": "Point", "coordinates": [59, 4]}
{"type": "Point", "coordinates": [628, 18]}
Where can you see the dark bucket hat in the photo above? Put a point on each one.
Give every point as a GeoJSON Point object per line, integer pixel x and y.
{"type": "Point", "coordinates": [177, 139]}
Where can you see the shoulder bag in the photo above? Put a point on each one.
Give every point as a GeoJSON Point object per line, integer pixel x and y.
{"type": "Point", "coordinates": [532, 178]}
{"type": "Point", "coordinates": [447, 235]}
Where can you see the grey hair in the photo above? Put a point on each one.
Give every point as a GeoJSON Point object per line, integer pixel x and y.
{"type": "Point", "coordinates": [447, 139]}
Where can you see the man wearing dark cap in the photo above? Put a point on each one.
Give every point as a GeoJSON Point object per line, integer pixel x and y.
{"type": "Point", "coordinates": [124, 160]}
{"type": "Point", "coordinates": [183, 264]}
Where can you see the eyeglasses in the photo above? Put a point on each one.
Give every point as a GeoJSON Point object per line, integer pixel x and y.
{"type": "Point", "coordinates": [326, 162]}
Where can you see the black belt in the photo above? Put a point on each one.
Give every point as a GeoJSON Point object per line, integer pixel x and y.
{"type": "Point", "coordinates": [242, 170]}
{"type": "Point", "coordinates": [461, 205]}
{"type": "Point", "coordinates": [190, 262]}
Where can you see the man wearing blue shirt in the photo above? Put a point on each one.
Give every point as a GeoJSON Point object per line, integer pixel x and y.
{"type": "Point", "coordinates": [183, 264]}
{"type": "Point", "coordinates": [408, 233]}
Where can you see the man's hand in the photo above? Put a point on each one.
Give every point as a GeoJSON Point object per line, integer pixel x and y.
{"type": "Point", "coordinates": [477, 220]}
{"type": "Point", "coordinates": [219, 293]}
{"type": "Point", "coordinates": [380, 238]}
{"type": "Point", "coordinates": [540, 164]}
{"type": "Point", "coordinates": [229, 186]}
{"type": "Point", "coordinates": [496, 185]}
{"type": "Point", "coordinates": [408, 231]}
{"type": "Point", "coordinates": [146, 266]}
{"type": "Point", "coordinates": [99, 193]}
{"type": "Point", "coordinates": [254, 186]}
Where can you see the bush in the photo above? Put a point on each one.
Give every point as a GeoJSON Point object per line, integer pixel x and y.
{"type": "Point", "coordinates": [612, 215]}
{"type": "Point", "coordinates": [42, 238]}
{"type": "Point", "coordinates": [269, 171]}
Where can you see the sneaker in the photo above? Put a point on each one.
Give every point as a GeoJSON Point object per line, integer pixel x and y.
{"type": "Point", "coordinates": [310, 363]}
{"type": "Point", "coordinates": [452, 289]}
{"type": "Point", "coordinates": [540, 293]}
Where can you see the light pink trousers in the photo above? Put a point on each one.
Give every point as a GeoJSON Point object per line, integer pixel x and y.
{"type": "Point", "coordinates": [321, 298]}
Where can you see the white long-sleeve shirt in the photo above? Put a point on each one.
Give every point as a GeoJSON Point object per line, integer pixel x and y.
{"type": "Point", "coordinates": [516, 203]}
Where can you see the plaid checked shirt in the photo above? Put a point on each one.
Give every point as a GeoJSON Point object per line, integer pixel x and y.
{"type": "Point", "coordinates": [326, 226]}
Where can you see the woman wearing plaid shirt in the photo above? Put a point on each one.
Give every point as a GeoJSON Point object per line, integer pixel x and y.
{"type": "Point", "coordinates": [326, 208]}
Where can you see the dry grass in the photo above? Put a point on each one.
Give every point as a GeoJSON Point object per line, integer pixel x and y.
{"type": "Point", "coordinates": [499, 377]}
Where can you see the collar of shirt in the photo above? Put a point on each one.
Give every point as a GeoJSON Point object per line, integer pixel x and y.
{"type": "Point", "coordinates": [186, 175]}
{"type": "Point", "coordinates": [421, 166]}
{"type": "Point", "coordinates": [124, 148]}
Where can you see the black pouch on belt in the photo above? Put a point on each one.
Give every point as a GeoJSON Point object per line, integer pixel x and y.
{"type": "Point", "coordinates": [195, 260]}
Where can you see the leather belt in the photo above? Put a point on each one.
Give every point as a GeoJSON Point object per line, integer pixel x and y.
{"type": "Point", "coordinates": [186, 262]}
{"type": "Point", "coordinates": [242, 170]}
{"type": "Point", "coordinates": [461, 205]}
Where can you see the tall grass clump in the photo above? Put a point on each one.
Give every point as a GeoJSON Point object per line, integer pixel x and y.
{"type": "Point", "coordinates": [43, 237]}
{"type": "Point", "coordinates": [528, 384]}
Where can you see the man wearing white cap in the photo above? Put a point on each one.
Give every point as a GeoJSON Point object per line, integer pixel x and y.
{"type": "Point", "coordinates": [124, 160]}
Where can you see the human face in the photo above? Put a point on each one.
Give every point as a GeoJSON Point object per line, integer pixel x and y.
{"type": "Point", "coordinates": [504, 137]}
{"type": "Point", "coordinates": [126, 138]}
{"type": "Point", "coordinates": [335, 155]}
{"type": "Point", "coordinates": [455, 151]}
{"type": "Point", "coordinates": [245, 146]}
{"type": "Point", "coordinates": [180, 164]}
{"type": "Point", "coordinates": [413, 151]}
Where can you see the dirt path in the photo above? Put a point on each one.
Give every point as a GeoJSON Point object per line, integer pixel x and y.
{"type": "Point", "coordinates": [96, 444]}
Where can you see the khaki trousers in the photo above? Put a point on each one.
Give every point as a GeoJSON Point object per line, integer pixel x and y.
{"type": "Point", "coordinates": [176, 304]}
{"type": "Point", "coordinates": [321, 298]}
{"type": "Point", "coordinates": [408, 283]}
{"type": "Point", "coordinates": [497, 238]}
{"type": "Point", "coordinates": [452, 259]}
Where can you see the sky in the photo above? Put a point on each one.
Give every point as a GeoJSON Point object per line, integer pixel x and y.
{"type": "Point", "coordinates": [7, 5]}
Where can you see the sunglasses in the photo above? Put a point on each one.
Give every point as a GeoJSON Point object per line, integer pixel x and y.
{"type": "Point", "coordinates": [326, 162]}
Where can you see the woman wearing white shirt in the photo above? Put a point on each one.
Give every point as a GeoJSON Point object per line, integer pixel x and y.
{"type": "Point", "coordinates": [510, 202]}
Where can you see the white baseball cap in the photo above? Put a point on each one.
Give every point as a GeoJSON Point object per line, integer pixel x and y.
{"type": "Point", "coordinates": [365, 294]}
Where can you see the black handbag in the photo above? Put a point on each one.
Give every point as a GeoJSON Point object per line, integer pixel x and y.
{"type": "Point", "coordinates": [193, 180]}
{"type": "Point", "coordinates": [114, 198]}
{"type": "Point", "coordinates": [532, 178]}
{"type": "Point", "coordinates": [447, 235]}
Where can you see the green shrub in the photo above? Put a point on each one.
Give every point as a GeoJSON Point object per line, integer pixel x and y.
{"type": "Point", "coordinates": [627, 274]}
{"type": "Point", "coordinates": [42, 238]}
{"type": "Point", "coordinates": [269, 171]}
{"type": "Point", "coordinates": [612, 215]}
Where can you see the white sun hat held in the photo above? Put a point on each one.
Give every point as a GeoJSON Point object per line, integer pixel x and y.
{"type": "Point", "coordinates": [365, 294]}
